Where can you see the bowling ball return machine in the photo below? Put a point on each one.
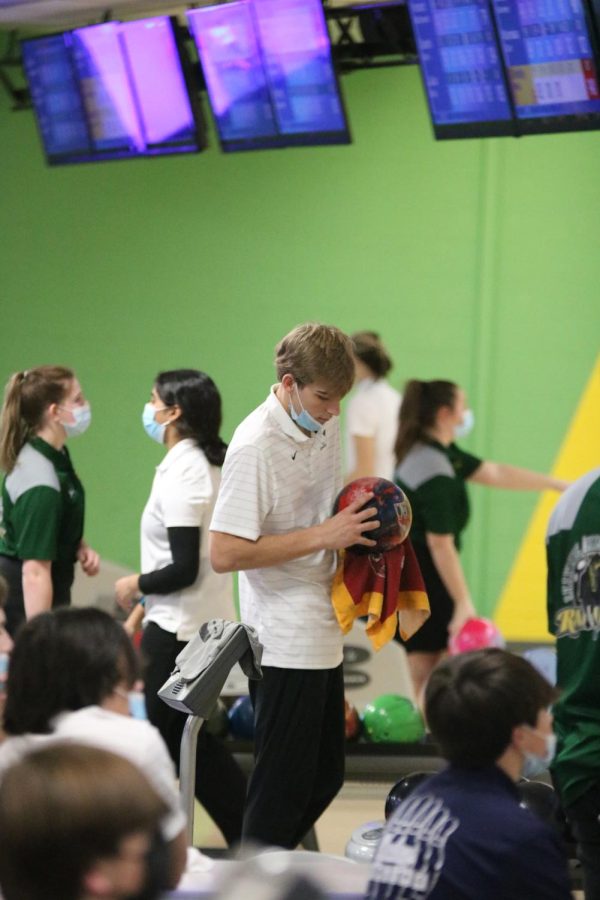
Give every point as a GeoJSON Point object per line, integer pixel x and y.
{"type": "Point", "coordinates": [201, 670]}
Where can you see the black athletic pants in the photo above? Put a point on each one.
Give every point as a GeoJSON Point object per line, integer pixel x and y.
{"type": "Point", "coordinates": [220, 783]}
{"type": "Point", "coordinates": [583, 817]}
{"type": "Point", "coordinates": [299, 752]}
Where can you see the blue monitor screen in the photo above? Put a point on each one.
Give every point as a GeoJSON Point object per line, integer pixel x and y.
{"type": "Point", "coordinates": [112, 91]}
{"type": "Point", "coordinates": [550, 63]}
{"type": "Point", "coordinates": [234, 74]}
{"type": "Point", "coordinates": [297, 54]}
{"type": "Point", "coordinates": [462, 68]}
{"type": "Point", "coordinates": [56, 98]}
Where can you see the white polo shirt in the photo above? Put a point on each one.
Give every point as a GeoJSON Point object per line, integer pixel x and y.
{"type": "Point", "coordinates": [136, 740]}
{"type": "Point", "coordinates": [275, 480]}
{"type": "Point", "coordinates": [183, 495]}
{"type": "Point", "coordinates": [373, 411]}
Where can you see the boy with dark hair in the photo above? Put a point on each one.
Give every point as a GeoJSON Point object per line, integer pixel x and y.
{"type": "Point", "coordinates": [461, 835]}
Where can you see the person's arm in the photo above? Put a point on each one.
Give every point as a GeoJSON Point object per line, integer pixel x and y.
{"type": "Point", "coordinates": [184, 543]}
{"type": "Point", "coordinates": [447, 562]}
{"type": "Point", "coordinates": [37, 586]}
{"type": "Point", "coordinates": [364, 453]}
{"type": "Point", "coordinates": [134, 620]}
{"type": "Point", "coordinates": [230, 553]}
{"type": "Point", "coordinates": [500, 475]}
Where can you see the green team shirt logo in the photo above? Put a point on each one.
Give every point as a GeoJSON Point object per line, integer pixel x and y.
{"type": "Point", "coordinates": [580, 590]}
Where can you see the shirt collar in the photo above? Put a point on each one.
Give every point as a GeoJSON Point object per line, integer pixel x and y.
{"type": "Point", "coordinates": [283, 418]}
{"type": "Point", "coordinates": [175, 453]}
{"type": "Point", "coordinates": [60, 459]}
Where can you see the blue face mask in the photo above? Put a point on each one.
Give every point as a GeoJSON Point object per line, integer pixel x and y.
{"type": "Point", "coordinates": [82, 416]}
{"type": "Point", "coordinates": [466, 426]}
{"type": "Point", "coordinates": [303, 418]}
{"type": "Point", "coordinates": [533, 764]}
{"type": "Point", "coordinates": [137, 705]}
{"type": "Point", "coordinates": [153, 429]}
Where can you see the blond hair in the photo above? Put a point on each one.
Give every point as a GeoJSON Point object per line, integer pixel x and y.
{"type": "Point", "coordinates": [316, 353]}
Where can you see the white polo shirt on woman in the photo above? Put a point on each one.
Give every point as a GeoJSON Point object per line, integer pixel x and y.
{"type": "Point", "coordinates": [183, 496]}
{"type": "Point", "coordinates": [277, 479]}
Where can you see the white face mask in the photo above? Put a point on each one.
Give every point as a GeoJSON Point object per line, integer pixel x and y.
{"type": "Point", "coordinates": [466, 426]}
{"type": "Point", "coordinates": [82, 416]}
{"type": "Point", "coordinates": [535, 764]}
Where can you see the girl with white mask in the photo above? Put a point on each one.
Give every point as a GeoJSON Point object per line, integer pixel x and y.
{"type": "Point", "coordinates": [434, 471]}
{"type": "Point", "coordinates": [43, 501]}
{"type": "Point", "coordinates": [179, 586]}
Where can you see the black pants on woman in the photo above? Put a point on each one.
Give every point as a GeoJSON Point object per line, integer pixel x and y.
{"type": "Point", "coordinates": [299, 747]}
{"type": "Point", "coordinates": [220, 783]}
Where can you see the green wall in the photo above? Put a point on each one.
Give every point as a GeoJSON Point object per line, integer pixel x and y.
{"type": "Point", "coordinates": [477, 261]}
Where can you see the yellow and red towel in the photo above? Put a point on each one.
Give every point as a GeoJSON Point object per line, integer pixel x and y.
{"type": "Point", "coordinates": [388, 588]}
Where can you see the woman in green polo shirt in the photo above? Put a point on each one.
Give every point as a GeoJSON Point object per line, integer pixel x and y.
{"type": "Point", "coordinates": [433, 471]}
{"type": "Point", "coordinates": [41, 528]}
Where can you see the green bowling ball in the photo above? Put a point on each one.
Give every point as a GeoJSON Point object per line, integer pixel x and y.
{"type": "Point", "coordinates": [392, 719]}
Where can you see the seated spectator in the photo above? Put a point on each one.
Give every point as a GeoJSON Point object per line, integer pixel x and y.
{"type": "Point", "coordinates": [78, 823]}
{"type": "Point", "coordinates": [70, 678]}
{"type": "Point", "coordinates": [461, 833]}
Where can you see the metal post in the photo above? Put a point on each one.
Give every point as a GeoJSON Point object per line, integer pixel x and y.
{"type": "Point", "coordinates": [187, 770]}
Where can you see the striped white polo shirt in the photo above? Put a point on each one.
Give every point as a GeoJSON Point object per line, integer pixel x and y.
{"type": "Point", "coordinates": [276, 479]}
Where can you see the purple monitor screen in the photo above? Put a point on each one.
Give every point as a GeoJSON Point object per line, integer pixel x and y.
{"type": "Point", "coordinates": [462, 68]}
{"type": "Point", "coordinates": [550, 61]}
{"type": "Point", "coordinates": [161, 94]}
{"type": "Point", "coordinates": [235, 78]}
{"type": "Point", "coordinates": [56, 97]}
{"type": "Point", "coordinates": [297, 56]}
{"type": "Point", "coordinates": [107, 95]}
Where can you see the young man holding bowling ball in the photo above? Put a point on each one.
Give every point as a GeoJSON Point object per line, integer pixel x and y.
{"type": "Point", "coordinates": [273, 524]}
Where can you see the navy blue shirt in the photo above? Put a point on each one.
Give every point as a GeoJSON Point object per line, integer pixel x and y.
{"type": "Point", "coordinates": [461, 835]}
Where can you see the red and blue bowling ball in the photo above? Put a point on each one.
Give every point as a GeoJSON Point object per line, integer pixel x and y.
{"type": "Point", "coordinates": [241, 719]}
{"type": "Point", "coordinates": [476, 634]}
{"type": "Point", "coordinates": [390, 507]}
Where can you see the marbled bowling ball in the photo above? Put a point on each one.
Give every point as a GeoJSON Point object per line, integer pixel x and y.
{"type": "Point", "coordinates": [390, 507]}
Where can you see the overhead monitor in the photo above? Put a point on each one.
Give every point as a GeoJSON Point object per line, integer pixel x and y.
{"type": "Point", "coordinates": [549, 55]}
{"type": "Point", "coordinates": [56, 97]}
{"type": "Point", "coordinates": [112, 91]}
{"type": "Point", "coordinates": [462, 68]}
{"type": "Point", "coordinates": [297, 54]}
{"type": "Point", "coordinates": [269, 73]}
{"type": "Point", "coordinates": [235, 78]}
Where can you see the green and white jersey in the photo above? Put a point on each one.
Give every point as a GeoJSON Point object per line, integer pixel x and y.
{"type": "Point", "coordinates": [573, 553]}
{"type": "Point", "coordinates": [42, 506]}
{"type": "Point", "coordinates": [433, 478]}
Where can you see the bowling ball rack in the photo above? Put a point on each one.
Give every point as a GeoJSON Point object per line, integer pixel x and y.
{"type": "Point", "coordinates": [366, 761]}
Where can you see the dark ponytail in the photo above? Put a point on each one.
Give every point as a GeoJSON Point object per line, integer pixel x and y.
{"type": "Point", "coordinates": [27, 396]}
{"type": "Point", "coordinates": [196, 394]}
{"type": "Point", "coordinates": [421, 401]}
